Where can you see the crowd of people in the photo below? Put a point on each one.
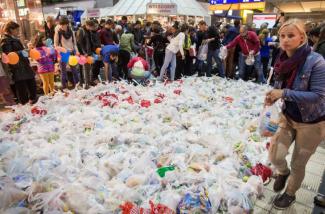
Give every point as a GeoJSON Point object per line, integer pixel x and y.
{"type": "Point", "coordinates": [124, 50]}
{"type": "Point", "coordinates": [292, 50]}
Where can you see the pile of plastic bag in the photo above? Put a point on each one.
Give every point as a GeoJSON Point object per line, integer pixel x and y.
{"type": "Point", "coordinates": [186, 146]}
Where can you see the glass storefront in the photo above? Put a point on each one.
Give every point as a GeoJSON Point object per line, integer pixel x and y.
{"type": "Point", "coordinates": [28, 13]}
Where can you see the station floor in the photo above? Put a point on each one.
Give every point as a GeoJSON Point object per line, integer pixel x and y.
{"type": "Point", "coordinates": [313, 183]}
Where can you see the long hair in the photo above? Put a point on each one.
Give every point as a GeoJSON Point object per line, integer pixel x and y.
{"type": "Point", "coordinates": [38, 40]}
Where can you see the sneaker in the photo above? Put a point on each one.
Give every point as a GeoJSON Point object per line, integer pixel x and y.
{"type": "Point", "coordinates": [160, 79]}
{"type": "Point", "coordinates": [284, 201]}
{"type": "Point", "coordinates": [280, 182]}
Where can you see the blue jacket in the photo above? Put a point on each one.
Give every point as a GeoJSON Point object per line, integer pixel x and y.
{"type": "Point", "coordinates": [233, 32]}
{"type": "Point", "coordinates": [107, 50]}
{"type": "Point", "coordinates": [308, 89]}
{"type": "Point", "coordinates": [265, 49]}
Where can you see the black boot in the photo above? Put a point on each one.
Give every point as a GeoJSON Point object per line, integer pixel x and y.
{"type": "Point", "coordinates": [284, 201]}
{"type": "Point", "coordinates": [319, 200]}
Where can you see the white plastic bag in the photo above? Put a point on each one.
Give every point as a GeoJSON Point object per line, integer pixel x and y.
{"type": "Point", "coordinates": [11, 195]}
{"type": "Point", "coordinates": [203, 52]}
{"type": "Point", "coordinates": [250, 60]}
{"type": "Point", "coordinates": [223, 52]}
{"type": "Point", "coordinates": [269, 121]}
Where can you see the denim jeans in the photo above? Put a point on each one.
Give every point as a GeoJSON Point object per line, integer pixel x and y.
{"type": "Point", "coordinates": [87, 70]}
{"type": "Point", "coordinates": [243, 68]}
{"type": "Point", "coordinates": [215, 55]}
{"type": "Point", "coordinates": [112, 72]}
{"type": "Point", "coordinates": [64, 75]}
{"type": "Point", "coordinates": [199, 67]}
{"type": "Point", "coordinates": [170, 58]}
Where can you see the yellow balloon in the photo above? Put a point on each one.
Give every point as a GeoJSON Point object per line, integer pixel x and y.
{"type": "Point", "coordinates": [73, 61]}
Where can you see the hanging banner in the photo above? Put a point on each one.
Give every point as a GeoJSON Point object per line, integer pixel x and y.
{"type": "Point", "coordinates": [161, 9]}
{"type": "Point", "coordinates": [92, 13]}
{"type": "Point", "coordinates": [241, 6]}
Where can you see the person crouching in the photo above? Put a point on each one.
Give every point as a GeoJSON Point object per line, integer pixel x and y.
{"type": "Point", "coordinates": [139, 68]}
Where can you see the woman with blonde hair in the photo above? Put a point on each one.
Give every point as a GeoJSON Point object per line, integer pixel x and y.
{"type": "Point", "coordinates": [300, 83]}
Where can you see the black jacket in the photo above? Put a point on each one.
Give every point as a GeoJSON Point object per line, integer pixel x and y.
{"type": "Point", "coordinates": [158, 42]}
{"type": "Point", "coordinates": [49, 32]}
{"type": "Point", "coordinates": [87, 41]}
{"type": "Point", "coordinates": [200, 36]}
{"type": "Point", "coordinates": [321, 48]}
{"type": "Point", "coordinates": [214, 33]}
{"type": "Point", "coordinates": [138, 36]}
{"type": "Point", "coordinates": [22, 70]}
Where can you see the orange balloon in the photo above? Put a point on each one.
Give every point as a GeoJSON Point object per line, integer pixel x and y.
{"type": "Point", "coordinates": [98, 50]}
{"type": "Point", "coordinates": [34, 54]}
{"type": "Point", "coordinates": [90, 60]}
{"type": "Point", "coordinates": [13, 58]}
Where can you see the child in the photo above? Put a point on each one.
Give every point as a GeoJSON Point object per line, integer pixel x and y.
{"type": "Point", "coordinates": [110, 57]}
{"type": "Point", "coordinates": [138, 67]}
{"type": "Point", "coordinates": [6, 96]}
{"type": "Point", "coordinates": [45, 66]}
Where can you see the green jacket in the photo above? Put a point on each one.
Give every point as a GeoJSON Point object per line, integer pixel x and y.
{"type": "Point", "coordinates": [127, 42]}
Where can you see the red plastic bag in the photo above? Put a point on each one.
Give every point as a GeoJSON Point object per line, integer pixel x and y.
{"type": "Point", "coordinates": [131, 208]}
{"type": "Point", "coordinates": [129, 100]}
{"type": "Point", "coordinates": [263, 171]}
{"type": "Point", "coordinates": [158, 100]}
{"type": "Point", "coordinates": [177, 91]}
{"type": "Point", "coordinates": [145, 103]}
{"type": "Point", "coordinates": [38, 111]}
{"type": "Point", "coordinates": [160, 209]}
{"type": "Point", "coordinates": [229, 99]}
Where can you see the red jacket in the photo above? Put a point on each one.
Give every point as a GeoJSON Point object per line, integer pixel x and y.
{"type": "Point", "coordinates": [252, 41]}
{"type": "Point", "coordinates": [136, 59]}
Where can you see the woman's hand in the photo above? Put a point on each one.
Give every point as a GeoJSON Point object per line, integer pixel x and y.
{"type": "Point", "coordinates": [272, 96]}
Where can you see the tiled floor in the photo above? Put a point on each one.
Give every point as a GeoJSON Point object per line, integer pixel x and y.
{"type": "Point", "coordinates": [313, 183]}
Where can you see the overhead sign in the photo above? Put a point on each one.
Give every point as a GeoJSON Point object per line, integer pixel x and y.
{"type": "Point", "coordinates": [161, 9]}
{"type": "Point", "coordinates": [213, 2]}
{"type": "Point", "coordinates": [252, 6]}
{"type": "Point", "coordinates": [92, 13]}
{"type": "Point", "coordinates": [259, 19]}
{"type": "Point", "coordinates": [250, 1]}
{"type": "Point", "coordinates": [224, 1]}
{"type": "Point", "coordinates": [241, 6]}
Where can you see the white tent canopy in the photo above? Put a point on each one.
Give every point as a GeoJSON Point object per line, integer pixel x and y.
{"type": "Point", "coordinates": [139, 7]}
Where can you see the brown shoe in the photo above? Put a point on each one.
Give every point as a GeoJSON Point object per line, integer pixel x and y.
{"type": "Point", "coordinates": [280, 182]}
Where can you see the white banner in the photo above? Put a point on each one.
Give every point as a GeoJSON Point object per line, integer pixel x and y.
{"type": "Point", "coordinates": [92, 13]}
{"type": "Point", "coordinates": [161, 9]}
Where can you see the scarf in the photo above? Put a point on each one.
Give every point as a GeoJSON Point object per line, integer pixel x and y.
{"type": "Point", "coordinates": [286, 68]}
{"type": "Point", "coordinates": [66, 34]}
